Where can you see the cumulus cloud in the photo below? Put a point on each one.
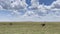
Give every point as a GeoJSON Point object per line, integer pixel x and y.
{"type": "Point", "coordinates": [36, 10]}
{"type": "Point", "coordinates": [1, 7]}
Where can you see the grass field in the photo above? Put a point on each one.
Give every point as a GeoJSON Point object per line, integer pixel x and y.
{"type": "Point", "coordinates": [29, 28]}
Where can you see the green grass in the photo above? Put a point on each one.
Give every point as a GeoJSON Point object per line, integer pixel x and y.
{"type": "Point", "coordinates": [29, 28]}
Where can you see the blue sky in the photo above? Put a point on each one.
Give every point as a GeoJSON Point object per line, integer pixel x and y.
{"type": "Point", "coordinates": [38, 10]}
{"type": "Point", "coordinates": [45, 2]}
{"type": "Point", "coordinates": [28, 2]}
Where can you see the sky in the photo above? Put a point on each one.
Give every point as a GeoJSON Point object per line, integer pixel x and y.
{"type": "Point", "coordinates": [30, 10]}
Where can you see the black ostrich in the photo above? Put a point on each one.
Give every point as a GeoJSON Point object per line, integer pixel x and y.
{"type": "Point", "coordinates": [11, 24]}
{"type": "Point", "coordinates": [43, 24]}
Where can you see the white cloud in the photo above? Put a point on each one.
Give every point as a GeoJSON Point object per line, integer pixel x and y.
{"type": "Point", "coordinates": [34, 11]}
{"type": "Point", "coordinates": [1, 7]}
